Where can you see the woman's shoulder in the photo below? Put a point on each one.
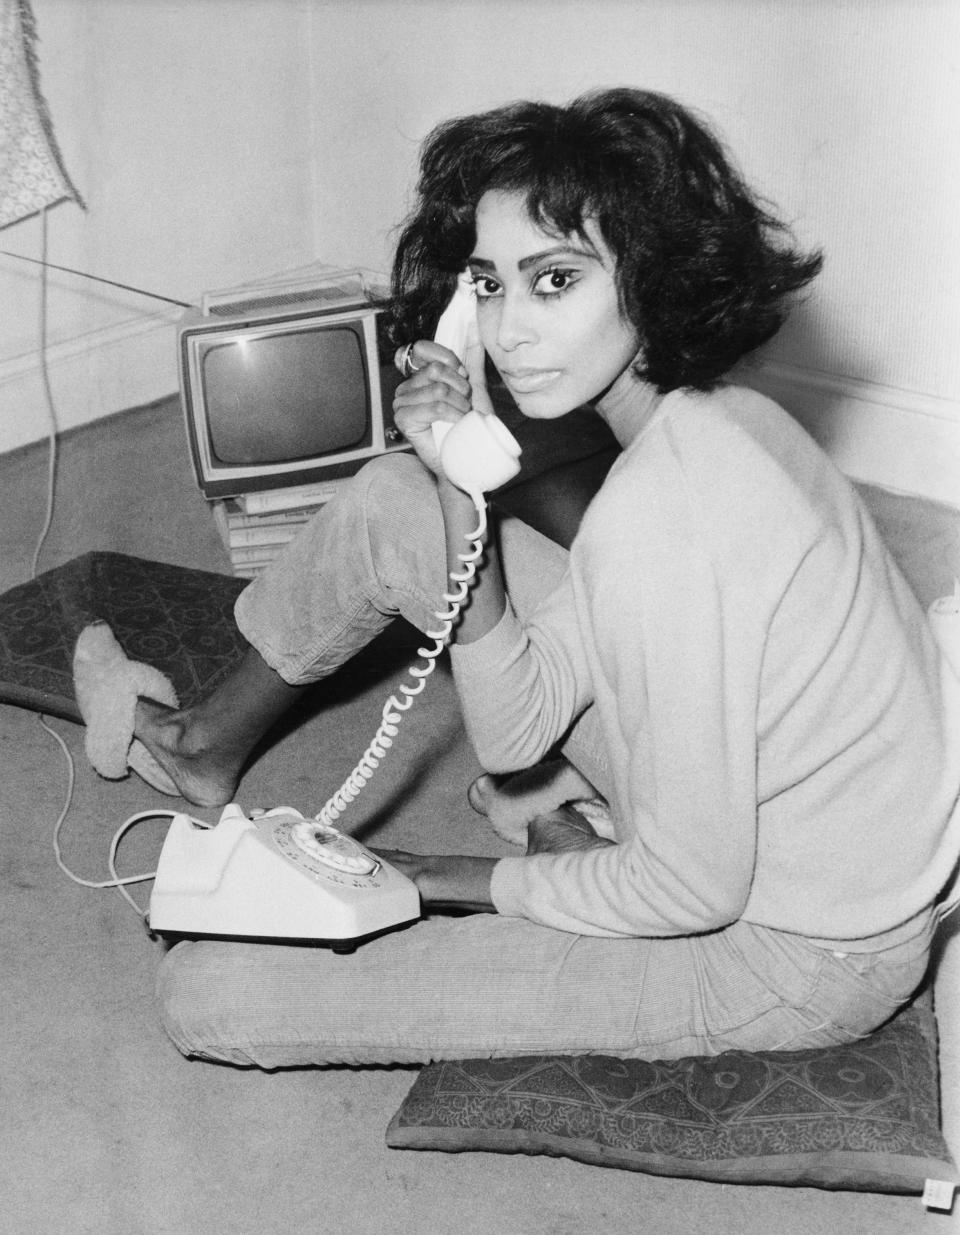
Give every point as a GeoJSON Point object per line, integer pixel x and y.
{"type": "Point", "coordinates": [728, 466]}
{"type": "Point", "coordinates": [734, 417]}
{"type": "Point", "coordinates": [716, 438]}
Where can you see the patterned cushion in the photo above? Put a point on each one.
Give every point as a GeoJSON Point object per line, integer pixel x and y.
{"type": "Point", "coordinates": [864, 1116]}
{"type": "Point", "coordinates": [179, 620]}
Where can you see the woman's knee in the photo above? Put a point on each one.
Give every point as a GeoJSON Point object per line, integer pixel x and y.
{"type": "Point", "coordinates": [193, 992]}
{"type": "Point", "coordinates": [405, 537]}
{"type": "Point", "coordinates": [394, 481]}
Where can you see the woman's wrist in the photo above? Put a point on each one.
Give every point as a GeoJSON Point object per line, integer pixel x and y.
{"type": "Point", "coordinates": [446, 879]}
{"type": "Point", "coordinates": [486, 602]}
{"type": "Point", "coordinates": [454, 879]}
{"type": "Point", "coordinates": [456, 505]}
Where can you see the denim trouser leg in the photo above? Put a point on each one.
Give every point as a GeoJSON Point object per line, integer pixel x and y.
{"type": "Point", "coordinates": [375, 552]}
{"type": "Point", "coordinates": [488, 986]}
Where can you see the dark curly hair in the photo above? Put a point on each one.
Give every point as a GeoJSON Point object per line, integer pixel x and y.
{"type": "Point", "coordinates": [703, 267]}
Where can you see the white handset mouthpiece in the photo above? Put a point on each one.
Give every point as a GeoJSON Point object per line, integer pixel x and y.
{"type": "Point", "coordinates": [478, 453]}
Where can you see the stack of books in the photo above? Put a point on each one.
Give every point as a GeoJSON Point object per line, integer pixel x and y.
{"type": "Point", "coordinates": [256, 527]}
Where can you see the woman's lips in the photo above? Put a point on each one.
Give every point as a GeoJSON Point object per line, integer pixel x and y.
{"type": "Point", "coordinates": [529, 381]}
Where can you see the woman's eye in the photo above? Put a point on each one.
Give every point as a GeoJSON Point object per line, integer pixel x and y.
{"type": "Point", "coordinates": [485, 287]}
{"type": "Point", "coordinates": [553, 282]}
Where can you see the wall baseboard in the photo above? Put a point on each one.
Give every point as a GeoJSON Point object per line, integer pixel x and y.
{"type": "Point", "coordinates": [91, 376]}
{"type": "Point", "coordinates": [898, 439]}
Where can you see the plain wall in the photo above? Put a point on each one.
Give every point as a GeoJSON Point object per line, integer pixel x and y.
{"type": "Point", "coordinates": [218, 140]}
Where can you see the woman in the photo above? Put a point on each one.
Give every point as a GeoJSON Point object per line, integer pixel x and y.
{"type": "Point", "coordinates": [728, 655]}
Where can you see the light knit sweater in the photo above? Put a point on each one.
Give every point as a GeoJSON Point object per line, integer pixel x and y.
{"type": "Point", "coordinates": [772, 703]}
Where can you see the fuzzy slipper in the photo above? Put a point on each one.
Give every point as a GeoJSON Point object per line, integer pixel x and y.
{"type": "Point", "coordinates": [107, 686]}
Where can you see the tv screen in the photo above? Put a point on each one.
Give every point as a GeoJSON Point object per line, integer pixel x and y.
{"type": "Point", "coordinates": [278, 398]}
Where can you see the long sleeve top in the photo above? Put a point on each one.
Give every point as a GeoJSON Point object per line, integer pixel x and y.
{"type": "Point", "coordinates": [783, 741]}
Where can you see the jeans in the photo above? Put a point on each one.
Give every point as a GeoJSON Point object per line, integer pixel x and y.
{"type": "Point", "coordinates": [487, 985]}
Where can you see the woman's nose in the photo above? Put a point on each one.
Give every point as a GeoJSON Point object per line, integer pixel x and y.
{"type": "Point", "coordinates": [514, 325]}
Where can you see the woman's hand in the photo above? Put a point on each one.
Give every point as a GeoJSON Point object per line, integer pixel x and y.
{"type": "Point", "coordinates": [441, 389]}
{"type": "Point", "coordinates": [453, 881]}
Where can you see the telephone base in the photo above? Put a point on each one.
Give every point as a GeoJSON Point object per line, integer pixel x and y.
{"type": "Point", "coordinates": [275, 877]}
{"type": "Point", "coordinates": [343, 947]}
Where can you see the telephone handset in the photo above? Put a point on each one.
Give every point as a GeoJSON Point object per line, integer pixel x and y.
{"type": "Point", "coordinates": [478, 453]}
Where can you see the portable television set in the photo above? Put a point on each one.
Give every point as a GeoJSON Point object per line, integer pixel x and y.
{"type": "Point", "coordinates": [283, 384]}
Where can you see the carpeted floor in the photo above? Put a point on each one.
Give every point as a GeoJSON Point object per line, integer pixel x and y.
{"type": "Point", "coordinates": [105, 1128]}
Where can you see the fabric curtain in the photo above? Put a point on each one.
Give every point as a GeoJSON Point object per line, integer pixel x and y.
{"type": "Point", "coordinates": [32, 174]}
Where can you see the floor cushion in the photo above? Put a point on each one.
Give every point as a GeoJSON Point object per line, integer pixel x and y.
{"type": "Point", "coordinates": [177, 619]}
{"type": "Point", "coordinates": [860, 1117]}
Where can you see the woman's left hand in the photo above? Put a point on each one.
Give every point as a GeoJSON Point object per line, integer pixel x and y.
{"type": "Point", "coordinates": [453, 880]}
{"type": "Point", "coordinates": [446, 879]}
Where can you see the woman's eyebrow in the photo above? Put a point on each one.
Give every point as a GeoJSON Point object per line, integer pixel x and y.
{"type": "Point", "coordinates": [560, 250]}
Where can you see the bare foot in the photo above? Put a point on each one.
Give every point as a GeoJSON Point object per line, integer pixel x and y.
{"type": "Point", "coordinates": [204, 748]}
{"type": "Point", "coordinates": [563, 831]}
{"type": "Point", "coordinates": [204, 774]}
{"type": "Point", "coordinates": [511, 803]}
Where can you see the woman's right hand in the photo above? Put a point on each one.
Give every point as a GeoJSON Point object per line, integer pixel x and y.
{"type": "Point", "coordinates": [439, 390]}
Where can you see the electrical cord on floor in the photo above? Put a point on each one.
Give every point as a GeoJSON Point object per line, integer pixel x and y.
{"type": "Point", "coordinates": [48, 401]}
{"type": "Point", "coordinates": [115, 880]}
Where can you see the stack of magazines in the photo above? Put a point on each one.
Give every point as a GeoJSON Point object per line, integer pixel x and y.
{"type": "Point", "coordinates": [256, 527]}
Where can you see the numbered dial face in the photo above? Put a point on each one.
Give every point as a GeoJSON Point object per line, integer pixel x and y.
{"type": "Point", "coordinates": [325, 846]}
{"type": "Point", "coordinates": [333, 849]}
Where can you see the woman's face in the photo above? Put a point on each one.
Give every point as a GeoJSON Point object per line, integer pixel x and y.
{"type": "Point", "coordinates": [548, 309]}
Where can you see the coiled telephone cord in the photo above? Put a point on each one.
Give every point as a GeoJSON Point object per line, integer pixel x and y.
{"type": "Point", "coordinates": [394, 707]}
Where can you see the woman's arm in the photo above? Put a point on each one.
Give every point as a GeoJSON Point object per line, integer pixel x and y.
{"type": "Point", "coordinates": [463, 881]}
{"type": "Point", "coordinates": [443, 389]}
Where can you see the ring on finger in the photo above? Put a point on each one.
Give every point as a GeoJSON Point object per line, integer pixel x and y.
{"type": "Point", "coordinates": [404, 361]}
